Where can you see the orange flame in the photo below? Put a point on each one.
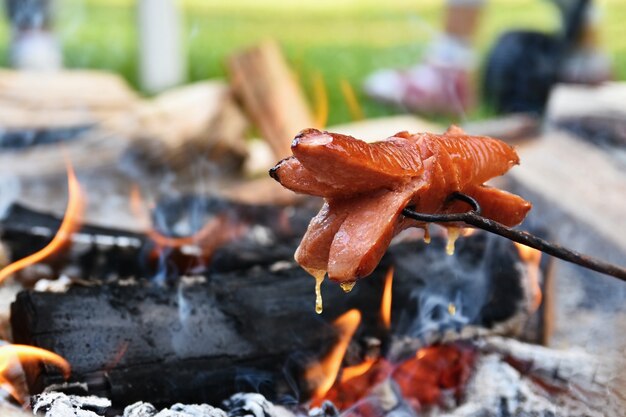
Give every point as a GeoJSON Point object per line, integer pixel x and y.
{"type": "Point", "coordinates": [212, 234]}
{"type": "Point", "coordinates": [26, 354]}
{"type": "Point", "coordinates": [350, 372]}
{"type": "Point", "coordinates": [468, 231]}
{"type": "Point", "coordinates": [385, 304]}
{"type": "Point", "coordinates": [532, 258]}
{"type": "Point", "coordinates": [321, 100]}
{"type": "Point", "coordinates": [356, 111]}
{"type": "Point", "coordinates": [71, 222]}
{"type": "Point", "coordinates": [137, 206]}
{"type": "Point", "coordinates": [324, 373]}
{"type": "Point", "coordinates": [209, 229]}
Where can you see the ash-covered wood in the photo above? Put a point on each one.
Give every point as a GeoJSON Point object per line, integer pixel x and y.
{"type": "Point", "coordinates": [206, 338]}
{"type": "Point", "coordinates": [517, 379]}
{"type": "Point", "coordinates": [56, 404]}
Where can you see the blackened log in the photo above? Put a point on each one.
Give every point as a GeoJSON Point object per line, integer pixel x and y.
{"type": "Point", "coordinates": [103, 253]}
{"type": "Point", "coordinates": [99, 252]}
{"type": "Point", "coordinates": [256, 329]}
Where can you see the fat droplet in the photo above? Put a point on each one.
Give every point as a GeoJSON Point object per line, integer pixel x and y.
{"type": "Point", "coordinates": [453, 235]}
{"type": "Point", "coordinates": [347, 286]}
{"type": "Point", "coordinates": [452, 309]}
{"type": "Point", "coordinates": [426, 235]}
{"type": "Point", "coordinates": [318, 274]}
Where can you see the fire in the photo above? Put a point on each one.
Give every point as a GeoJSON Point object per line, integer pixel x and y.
{"type": "Point", "coordinates": [324, 373]}
{"type": "Point", "coordinates": [11, 354]}
{"type": "Point", "coordinates": [423, 379]}
{"type": "Point", "coordinates": [385, 305]}
{"type": "Point", "coordinates": [351, 372]}
{"type": "Point", "coordinates": [71, 222]}
{"type": "Point", "coordinates": [468, 231]}
{"type": "Point", "coordinates": [137, 206]}
{"type": "Point", "coordinates": [532, 258]}
{"type": "Point", "coordinates": [215, 232]}
{"type": "Point", "coordinates": [321, 100]}
{"type": "Point", "coordinates": [356, 111]}
{"type": "Point", "coordinates": [358, 381]}
{"type": "Point", "coordinates": [209, 230]}
{"type": "Point", "coordinates": [433, 371]}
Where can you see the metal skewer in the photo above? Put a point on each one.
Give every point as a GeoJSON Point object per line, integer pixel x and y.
{"type": "Point", "coordinates": [473, 218]}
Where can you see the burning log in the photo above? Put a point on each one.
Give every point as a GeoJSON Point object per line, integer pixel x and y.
{"type": "Point", "coordinates": [263, 82]}
{"type": "Point", "coordinates": [192, 342]}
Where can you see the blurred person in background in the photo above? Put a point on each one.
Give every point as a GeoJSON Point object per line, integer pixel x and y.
{"type": "Point", "coordinates": [33, 46]}
{"type": "Point", "coordinates": [443, 82]}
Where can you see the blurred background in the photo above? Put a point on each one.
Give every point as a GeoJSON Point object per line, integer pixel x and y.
{"type": "Point", "coordinates": [338, 40]}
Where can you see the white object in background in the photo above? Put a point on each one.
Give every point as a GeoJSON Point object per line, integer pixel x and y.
{"type": "Point", "coordinates": [162, 61]}
{"type": "Point", "coordinates": [35, 50]}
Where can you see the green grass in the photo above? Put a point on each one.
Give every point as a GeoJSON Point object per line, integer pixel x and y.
{"type": "Point", "coordinates": [340, 39]}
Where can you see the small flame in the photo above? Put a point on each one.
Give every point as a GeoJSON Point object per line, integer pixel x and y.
{"type": "Point", "coordinates": [385, 305]}
{"type": "Point", "coordinates": [468, 231]}
{"type": "Point", "coordinates": [324, 373]}
{"type": "Point", "coordinates": [356, 111]}
{"type": "Point", "coordinates": [9, 354]}
{"type": "Point", "coordinates": [137, 207]}
{"type": "Point", "coordinates": [71, 222]}
{"type": "Point", "coordinates": [208, 230]}
{"type": "Point", "coordinates": [321, 100]}
{"type": "Point", "coordinates": [532, 258]}
{"type": "Point", "coordinates": [350, 372]}
{"type": "Point", "coordinates": [210, 236]}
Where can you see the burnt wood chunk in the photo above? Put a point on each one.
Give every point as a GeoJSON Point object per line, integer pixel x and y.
{"type": "Point", "coordinates": [206, 338]}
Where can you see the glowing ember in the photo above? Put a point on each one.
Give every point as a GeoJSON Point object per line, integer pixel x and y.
{"type": "Point", "coordinates": [424, 380]}
{"type": "Point", "coordinates": [433, 371]}
{"type": "Point", "coordinates": [11, 354]}
{"type": "Point", "coordinates": [323, 374]}
{"type": "Point", "coordinates": [71, 222]}
{"type": "Point", "coordinates": [357, 382]}
{"type": "Point", "coordinates": [321, 101]}
{"type": "Point", "coordinates": [351, 100]}
{"type": "Point", "coordinates": [532, 258]}
{"type": "Point", "coordinates": [385, 305]}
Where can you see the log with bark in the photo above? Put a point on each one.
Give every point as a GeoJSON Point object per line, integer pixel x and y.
{"type": "Point", "coordinates": [206, 338]}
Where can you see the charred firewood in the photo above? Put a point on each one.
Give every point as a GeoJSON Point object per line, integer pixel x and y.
{"type": "Point", "coordinates": [267, 234]}
{"type": "Point", "coordinates": [203, 339]}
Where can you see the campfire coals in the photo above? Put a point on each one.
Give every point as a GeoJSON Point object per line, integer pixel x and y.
{"type": "Point", "coordinates": [434, 373]}
{"type": "Point", "coordinates": [247, 318]}
{"type": "Point", "coordinates": [492, 388]}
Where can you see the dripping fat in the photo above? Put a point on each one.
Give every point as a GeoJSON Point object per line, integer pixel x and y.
{"type": "Point", "coordinates": [453, 235]}
{"type": "Point", "coordinates": [347, 286]}
{"type": "Point", "coordinates": [318, 274]}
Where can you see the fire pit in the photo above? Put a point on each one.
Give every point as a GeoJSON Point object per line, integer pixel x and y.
{"type": "Point", "coordinates": [167, 284]}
